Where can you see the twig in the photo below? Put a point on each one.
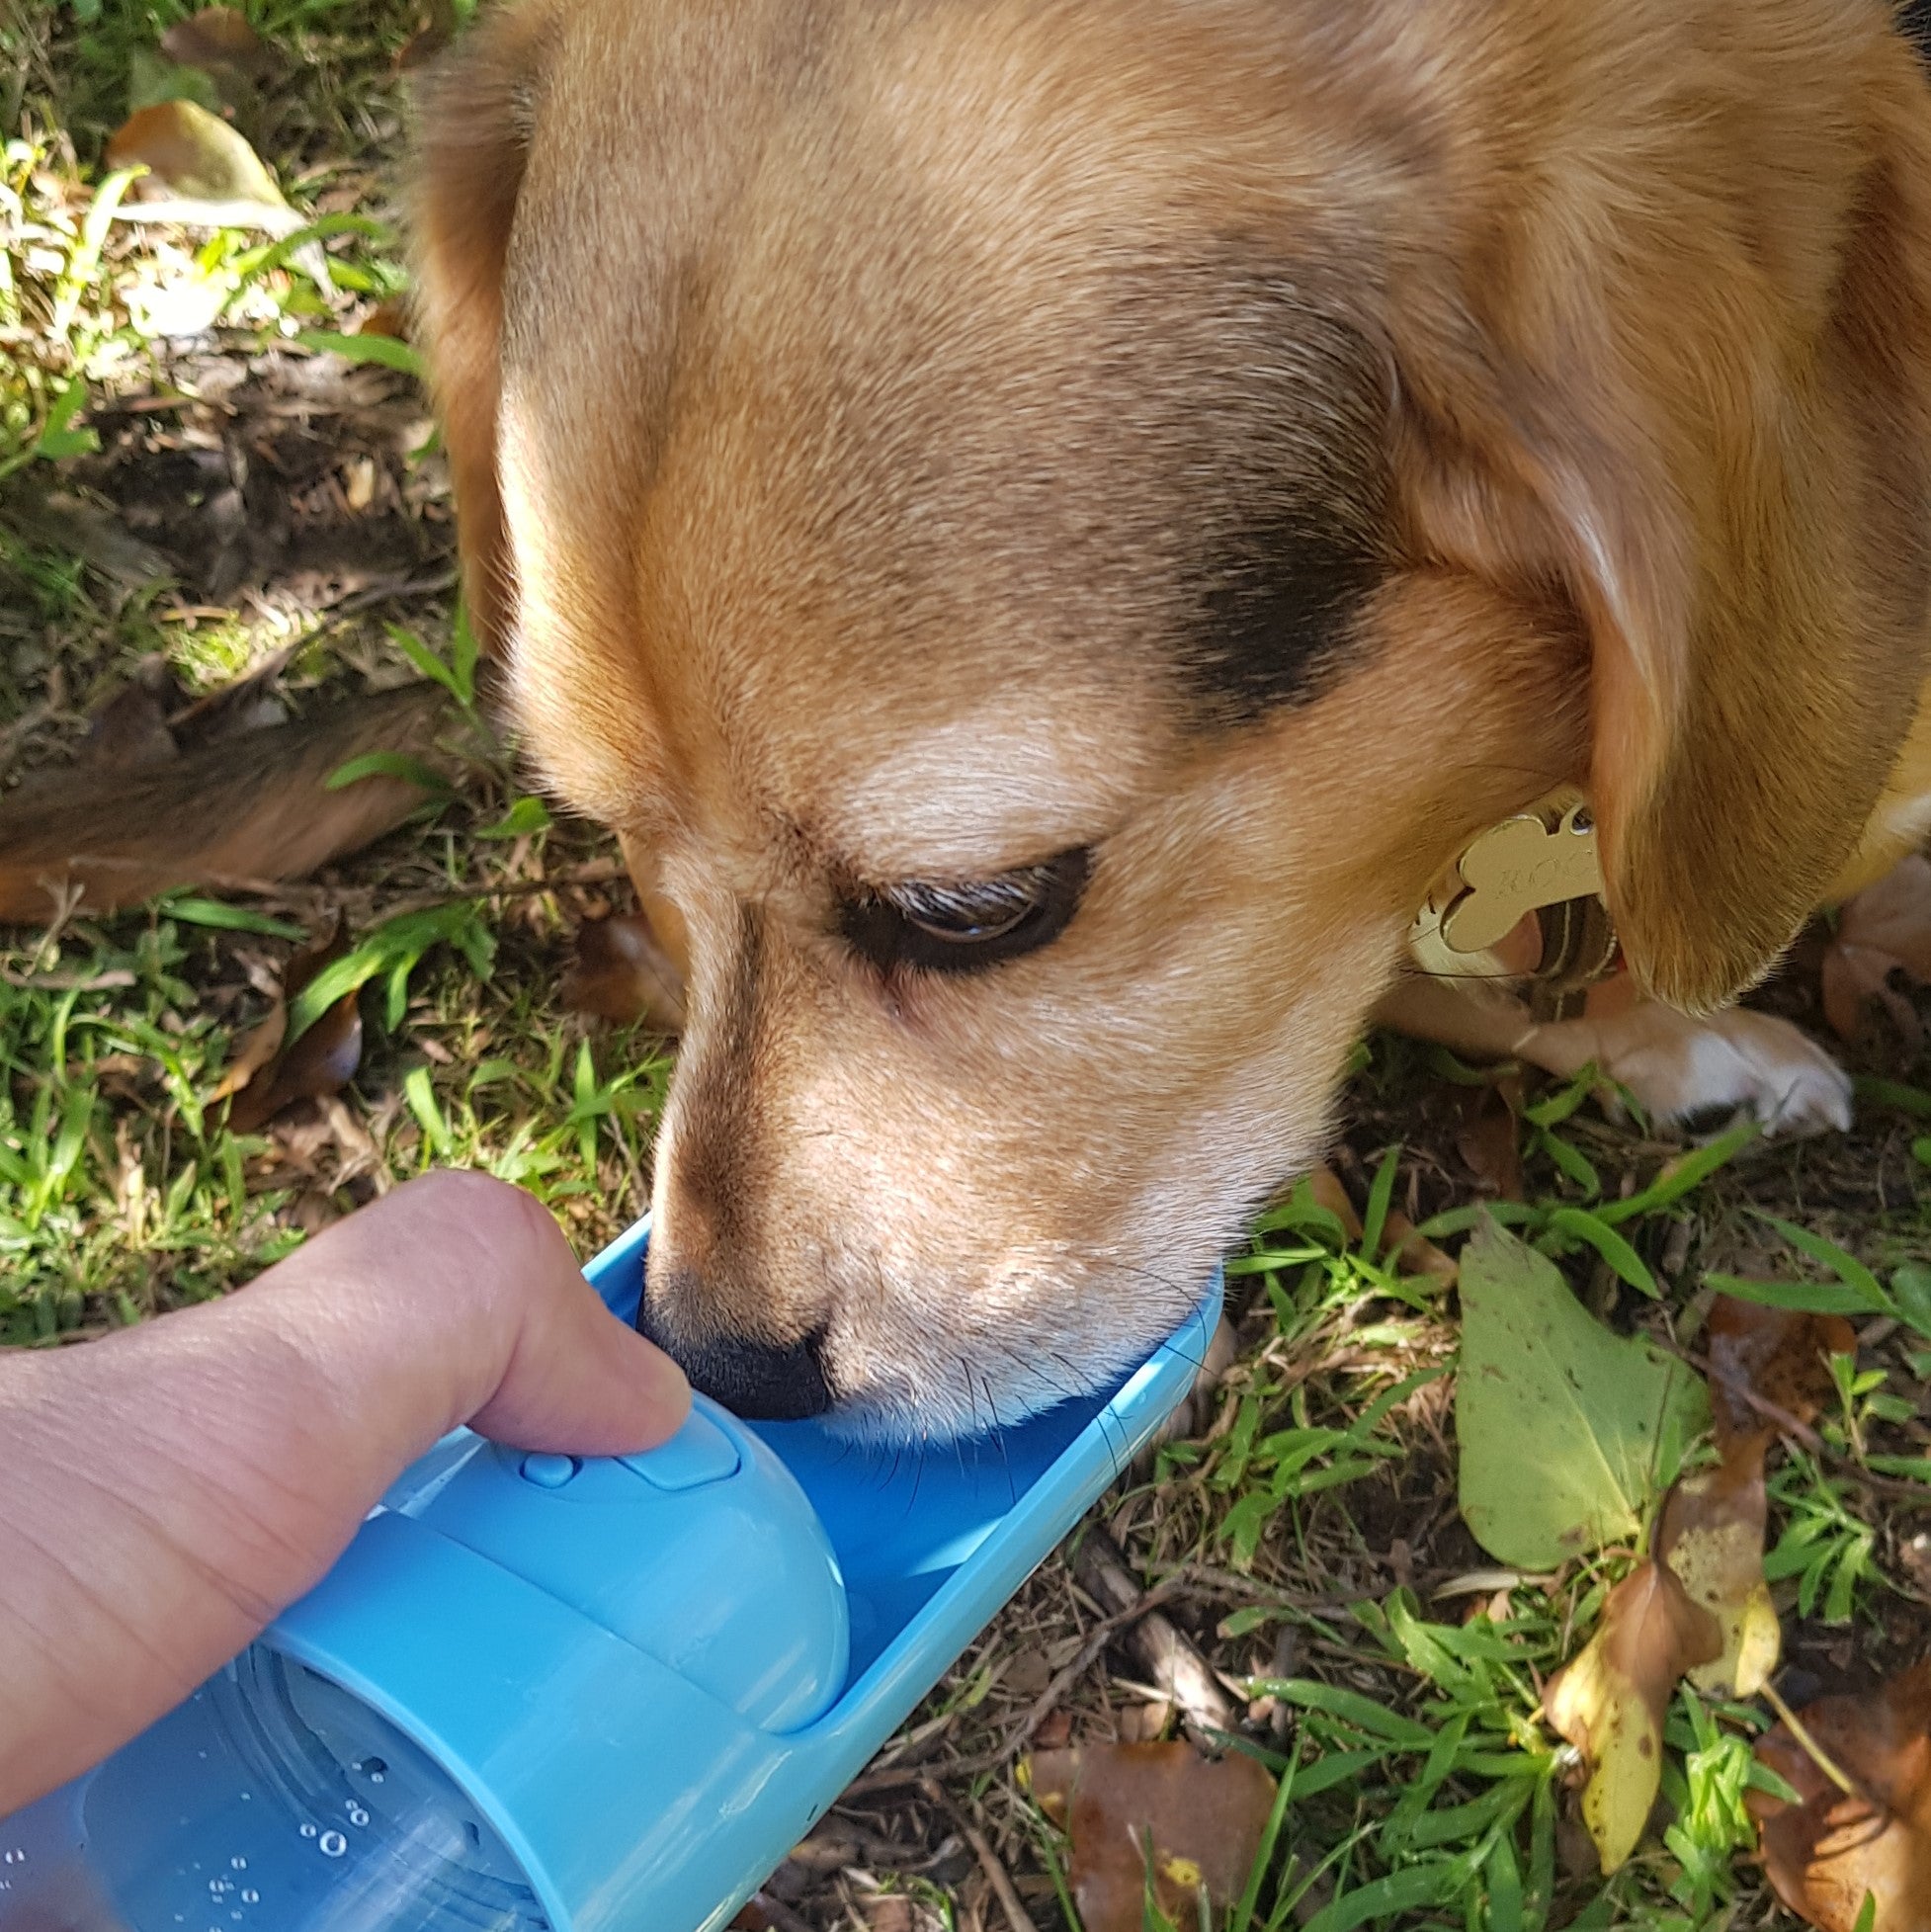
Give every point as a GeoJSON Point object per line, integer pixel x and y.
{"type": "Point", "coordinates": [996, 1874]}
{"type": "Point", "coordinates": [1171, 1658]}
{"type": "Point", "coordinates": [68, 982]}
{"type": "Point", "coordinates": [1916, 1494]}
{"type": "Point", "coordinates": [1818, 1756]}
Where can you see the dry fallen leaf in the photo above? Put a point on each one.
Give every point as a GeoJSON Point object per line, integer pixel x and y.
{"type": "Point", "coordinates": [435, 30]}
{"type": "Point", "coordinates": [1825, 1854]}
{"type": "Point", "coordinates": [322, 1061]}
{"type": "Point", "coordinates": [193, 154]}
{"type": "Point", "coordinates": [1205, 1817]}
{"type": "Point", "coordinates": [1324, 1184]}
{"type": "Point", "coordinates": [1885, 929]}
{"type": "Point", "coordinates": [1710, 1535]}
{"type": "Point", "coordinates": [622, 973]}
{"type": "Point", "coordinates": [1779, 1356]}
{"type": "Point", "coordinates": [1488, 1141]}
{"type": "Point", "coordinates": [238, 802]}
{"type": "Point", "coordinates": [1610, 1700]}
{"type": "Point", "coordinates": [1413, 1253]}
{"type": "Point", "coordinates": [220, 41]}
{"type": "Point", "coordinates": [389, 317]}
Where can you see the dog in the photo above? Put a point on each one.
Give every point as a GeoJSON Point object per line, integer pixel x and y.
{"type": "Point", "coordinates": [1051, 528]}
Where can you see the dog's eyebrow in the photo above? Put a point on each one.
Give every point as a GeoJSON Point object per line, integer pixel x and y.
{"type": "Point", "coordinates": [969, 802]}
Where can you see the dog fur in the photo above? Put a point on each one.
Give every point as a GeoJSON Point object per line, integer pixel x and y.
{"type": "Point", "coordinates": [1208, 462]}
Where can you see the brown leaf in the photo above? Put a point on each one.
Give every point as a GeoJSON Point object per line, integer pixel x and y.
{"type": "Point", "coordinates": [1779, 1356]}
{"type": "Point", "coordinates": [1610, 1700]}
{"type": "Point", "coordinates": [1413, 1253]}
{"type": "Point", "coordinates": [322, 1061]}
{"type": "Point", "coordinates": [1885, 929]}
{"type": "Point", "coordinates": [219, 39]}
{"type": "Point", "coordinates": [1488, 1141]}
{"type": "Point", "coordinates": [1324, 1184]}
{"type": "Point", "coordinates": [256, 1047]}
{"type": "Point", "coordinates": [389, 317]}
{"type": "Point", "coordinates": [254, 804]}
{"type": "Point", "coordinates": [1824, 1854]}
{"type": "Point", "coordinates": [622, 973]}
{"type": "Point", "coordinates": [1206, 1818]}
{"type": "Point", "coordinates": [435, 30]}
{"type": "Point", "coordinates": [1710, 1535]}
{"type": "Point", "coordinates": [193, 154]}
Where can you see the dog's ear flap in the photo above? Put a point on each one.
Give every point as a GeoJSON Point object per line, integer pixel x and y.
{"type": "Point", "coordinates": [475, 111]}
{"type": "Point", "coordinates": [1736, 496]}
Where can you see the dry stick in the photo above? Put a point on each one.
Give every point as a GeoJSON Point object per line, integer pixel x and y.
{"type": "Point", "coordinates": [996, 1874]}
{"type": "Point", "coordinates": [1795, 1725]}
{"type": "Point", "coordinates": [1897, 1488]}
{"type": "Point", "coordinates": [1172, 1661]}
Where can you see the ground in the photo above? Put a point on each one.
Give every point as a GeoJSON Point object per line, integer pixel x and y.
{"type": "Point", "coordinates": [220, 497]}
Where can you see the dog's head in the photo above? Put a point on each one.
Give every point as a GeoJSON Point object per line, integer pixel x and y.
{"type": "Point", "coordinates": [1045, 526]}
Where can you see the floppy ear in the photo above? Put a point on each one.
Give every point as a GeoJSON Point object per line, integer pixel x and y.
{"type": "Point", "coordinates": [1719, 445]}
{"type": "Point", "coordinates": [476, 112]}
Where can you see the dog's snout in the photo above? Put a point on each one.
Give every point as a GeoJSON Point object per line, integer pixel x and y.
{"type": "Point", "coordinates": [764, 1382]}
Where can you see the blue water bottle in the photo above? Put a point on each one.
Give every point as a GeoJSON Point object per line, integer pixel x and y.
{"type": "Point", "coordinates": [549, 1694]}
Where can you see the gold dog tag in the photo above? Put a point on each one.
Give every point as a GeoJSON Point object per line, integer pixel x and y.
{"type": "Point", "coordinates": [1519, 867]}
{"type": "Point", "coordinates": [1540, 866]}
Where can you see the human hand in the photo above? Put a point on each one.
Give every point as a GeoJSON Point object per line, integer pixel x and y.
{"type": "Point", "coordinates": [171, 1487]}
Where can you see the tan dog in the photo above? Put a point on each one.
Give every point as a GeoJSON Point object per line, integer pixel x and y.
{"type": "Point", "coordinates": [1047, 523]}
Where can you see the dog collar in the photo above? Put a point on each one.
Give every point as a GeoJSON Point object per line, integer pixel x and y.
{"type": "Point", "coordinates": [1524, 901]}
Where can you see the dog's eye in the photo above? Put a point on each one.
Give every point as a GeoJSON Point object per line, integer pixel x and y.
{"type": "Point", "coordinates": [969, 926]}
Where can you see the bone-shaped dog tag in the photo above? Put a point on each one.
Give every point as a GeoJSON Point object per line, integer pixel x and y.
{"type": "Point", "coordinates": [1516, 867]}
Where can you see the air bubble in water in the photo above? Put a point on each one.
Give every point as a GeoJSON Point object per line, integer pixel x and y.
{"type": "Point", "coordinates": [309, 1831]}
{"type": "Point", "coordinates": [356, 1816]}
{"type": "Point", "coordinates": [332, 1844]}
{"type": "Point", "coordinates": [238, 1863]}
{"type": "Point", "coordinates": [251, 1897]}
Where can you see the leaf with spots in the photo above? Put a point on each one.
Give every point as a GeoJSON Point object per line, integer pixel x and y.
{"type": "Point", "coordinates": [1610, 1702]}
{"type": "Point", "coordinates": [1157, 1814]}
{"type": "Point", "coordinates": [1565, 1428]}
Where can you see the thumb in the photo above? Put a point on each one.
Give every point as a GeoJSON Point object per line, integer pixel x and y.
{"type": "Point", "coordinates": [484, 1316]}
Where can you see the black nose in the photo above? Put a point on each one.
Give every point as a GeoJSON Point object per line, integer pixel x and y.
{"type": "Point", "coordinates": [762, 1381]}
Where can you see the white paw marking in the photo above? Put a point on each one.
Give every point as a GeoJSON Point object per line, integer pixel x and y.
{"type": "Point", "coordinates": [1676, 1066]}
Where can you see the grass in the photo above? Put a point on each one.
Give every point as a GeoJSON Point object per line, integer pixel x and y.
{"type": "Point", "coordinates": [1307, 1529]}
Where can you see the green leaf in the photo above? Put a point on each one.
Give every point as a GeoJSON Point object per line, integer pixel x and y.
{"type": "Point", "coordinates": [464, 653]}
{"type": "Point", "coordinates": [1806, 1298]}
{"type": "Point", "coordinates": [1691, 1171]}
{"type": "Point", "coordinates": [389, 764]}
{"type": "Point", "coordinates": [1911, 1290]}
{"type": "Point", "coordinates": [1562, 1425]}
{"type": "Point", "coordinates": [1380, 1193]}
{"type": "Point", "coordinates": [421, 1096]}
{"type": "Point", "coordinates": [193, 911]}
{"type": "Point", "coordinates": [58, 437]}
{"type": "Point", "coordinates": [1623, 1258]}
{"type": "Point", "coordinates": [527, 814]}
{"type": "Point", "coordinates": [383, 349]}
{"type": "Point", "coordinates": [1436, 1883]}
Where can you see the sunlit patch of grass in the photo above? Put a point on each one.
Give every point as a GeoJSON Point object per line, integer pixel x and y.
{"type": "Point", "coordinates": [213, 652]}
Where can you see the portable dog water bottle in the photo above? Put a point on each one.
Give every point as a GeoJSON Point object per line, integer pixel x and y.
{"type": "Point", "coordinates": [547, 1694]}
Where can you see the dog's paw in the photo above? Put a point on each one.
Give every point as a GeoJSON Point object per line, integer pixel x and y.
{"type": "Point", "coordinates": [1676, 1066]}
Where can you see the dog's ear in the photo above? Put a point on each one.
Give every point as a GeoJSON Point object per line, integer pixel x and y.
{"type": "Point", "coordinates": [1727, 466]}
{"type": "Point", "coordinates": [475, 111]}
